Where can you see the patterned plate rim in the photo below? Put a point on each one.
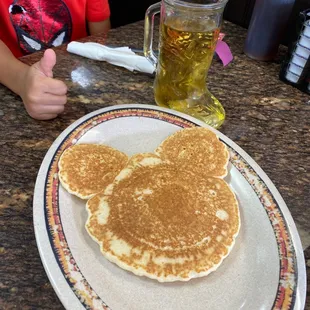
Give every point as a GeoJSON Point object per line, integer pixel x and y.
{"type": "Point", "coordinates": [291, 285]}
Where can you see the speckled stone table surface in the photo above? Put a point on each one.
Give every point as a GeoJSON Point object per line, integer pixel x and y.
{"type": "Point", "coordinates": [267, 118]}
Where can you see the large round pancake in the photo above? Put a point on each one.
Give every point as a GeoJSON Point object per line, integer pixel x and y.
{"type": "Point", "coordinates": [198, 149]}
{"type": "Point", "coordinates": [164, 223]}
{"type": "Point", "coordinates": [86, 169]}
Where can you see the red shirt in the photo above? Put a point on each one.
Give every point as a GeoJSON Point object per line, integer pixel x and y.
{"type": "Point", "coordinates": [27, 26]}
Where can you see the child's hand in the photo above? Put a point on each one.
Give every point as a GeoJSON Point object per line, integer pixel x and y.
{"type": "Point", "coordinates": [44, 97]}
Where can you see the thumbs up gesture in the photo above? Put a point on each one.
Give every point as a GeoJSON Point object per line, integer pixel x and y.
{"type": "Point", "coordinates": [44, 97]}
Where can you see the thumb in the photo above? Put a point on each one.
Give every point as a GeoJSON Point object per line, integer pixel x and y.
{"type": "Point", "coordinates": [47, 63]}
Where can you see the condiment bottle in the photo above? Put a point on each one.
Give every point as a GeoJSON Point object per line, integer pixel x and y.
{"type": "Point", "coordinates": [268, 23]}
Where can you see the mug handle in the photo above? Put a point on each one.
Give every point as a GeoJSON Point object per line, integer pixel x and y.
{"type": "Point", "coordinates": [148, 33]}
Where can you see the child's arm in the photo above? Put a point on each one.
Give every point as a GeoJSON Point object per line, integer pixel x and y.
{"type": "Point", "coordinates": [99, 27]}
{"type": "Point", "coordinates": [43, 97]}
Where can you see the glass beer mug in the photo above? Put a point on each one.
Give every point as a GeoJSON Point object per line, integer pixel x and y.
{"type": "Point", "coordinates": [189, 31]}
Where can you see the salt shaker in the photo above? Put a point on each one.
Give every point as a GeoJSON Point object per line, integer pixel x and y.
{"type": "Point", "coordinates": [268, 23]}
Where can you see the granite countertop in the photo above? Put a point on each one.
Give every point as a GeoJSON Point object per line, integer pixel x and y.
{"type": "Point", "coordinates": [270, 120]}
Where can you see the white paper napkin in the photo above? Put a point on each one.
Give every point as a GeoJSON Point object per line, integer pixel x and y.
{"type": "Point", "coordinates": [119, 56]}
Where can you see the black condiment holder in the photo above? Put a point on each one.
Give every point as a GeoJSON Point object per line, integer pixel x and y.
{"type": "Point", "coordinates": [295, 69]}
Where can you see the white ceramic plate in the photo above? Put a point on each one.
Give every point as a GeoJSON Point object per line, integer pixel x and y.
{"type": "Point", "coordinates": [265, 269]}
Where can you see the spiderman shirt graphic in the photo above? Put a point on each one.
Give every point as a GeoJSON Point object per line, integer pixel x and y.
{"type": "Point", "coordinates": [40, 24]}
